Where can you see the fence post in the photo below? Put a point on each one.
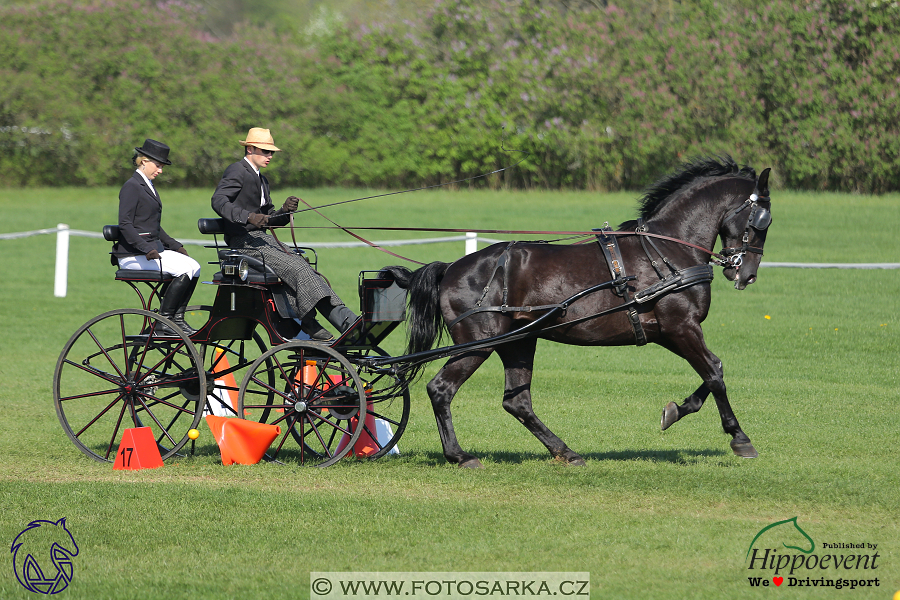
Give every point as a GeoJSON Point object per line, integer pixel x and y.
{"type": "Point", "coordinates": [471, 243]}
{"type": "Point", "coordinates": [62, 260]}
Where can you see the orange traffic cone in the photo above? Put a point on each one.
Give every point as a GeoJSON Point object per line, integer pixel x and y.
{"type": "Point", "coordinates": [241, 441]}
{"type": "Point", "coordinates": [309, 373]}
{"type": "Point", "coordinates": [138, 450]}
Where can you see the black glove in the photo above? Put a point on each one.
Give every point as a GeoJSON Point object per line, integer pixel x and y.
{"type": "Point", "coordinates": [152, 255]}
{"type": "Point", "coordinates": [290, 205]}
{"type": "Point", "coordinates": [258, 219]}
{"type": "Point", "coordinates": [183, 250]}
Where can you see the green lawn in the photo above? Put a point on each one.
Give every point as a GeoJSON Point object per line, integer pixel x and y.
{"type": "Point", "coordinates": [811, 360]}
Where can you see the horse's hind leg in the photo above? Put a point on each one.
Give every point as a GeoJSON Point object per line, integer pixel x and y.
{"type": "Point", "coordinates": [518, 362]}
{"type": "Point", "coordinates": [441, 390]}
{"type": "Point", "coordinates": [689, 344]}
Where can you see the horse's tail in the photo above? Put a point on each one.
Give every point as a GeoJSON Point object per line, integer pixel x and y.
{"type": "Point", "coordinates": [425, 324]}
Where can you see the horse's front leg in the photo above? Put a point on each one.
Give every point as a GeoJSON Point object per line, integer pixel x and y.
{"type": "Point", "coordinates": [518, 363]}
{"type": "Point", "coordinates": [673, 412]}
{"type": "Point", "coordinates": [689, 345]}
{"type": "Point", "coordinates": [740, 442]}
{"type": "Point", "coordinates": [441, 390]}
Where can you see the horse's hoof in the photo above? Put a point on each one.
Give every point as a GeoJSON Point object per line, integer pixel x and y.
{"type": "Point", "coordinates": [744, 449]}
{"type": "Point", "coordinates": [669, 415]}
{"type": "Point", "coordinates": [472, 463]}
{"type": "Point", "coordinates": [570, 459]}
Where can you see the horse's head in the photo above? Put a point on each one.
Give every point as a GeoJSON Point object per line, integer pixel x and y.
{"type": "Point", "coordinates": [743, 233]}
{"type": "Point", "coordinates": [778, 535]}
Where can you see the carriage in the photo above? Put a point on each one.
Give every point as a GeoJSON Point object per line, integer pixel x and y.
{"type": "Point", "coordinates": [243, 361]}
{"type": "Point", "coordinates": [652, 287]}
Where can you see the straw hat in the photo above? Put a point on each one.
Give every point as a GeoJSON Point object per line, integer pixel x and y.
{"type": "Point", "coordinates": [261, 138]}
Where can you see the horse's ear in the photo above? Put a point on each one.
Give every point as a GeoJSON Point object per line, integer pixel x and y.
{"type": "Point", "coordinates": [762, 183]}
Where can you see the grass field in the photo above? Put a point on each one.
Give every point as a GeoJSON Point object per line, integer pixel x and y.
{"type": "Point", "coordinates": [811, 361]}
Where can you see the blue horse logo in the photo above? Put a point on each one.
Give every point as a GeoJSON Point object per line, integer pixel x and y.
{"type": "Point", "coordinates": [39, 539]}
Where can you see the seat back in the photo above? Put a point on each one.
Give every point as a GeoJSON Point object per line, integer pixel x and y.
{"type": "Point", "coordinates": [211, 226]}
{"type": "Point", "coordinates": [111, 233]}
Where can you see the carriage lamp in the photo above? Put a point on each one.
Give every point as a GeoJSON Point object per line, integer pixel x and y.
{"type": "Point", "coordinates": [242, 270]}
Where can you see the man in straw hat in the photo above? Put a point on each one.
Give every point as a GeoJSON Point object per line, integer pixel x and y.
{"type": "Point", "coordinates": [242, 199]}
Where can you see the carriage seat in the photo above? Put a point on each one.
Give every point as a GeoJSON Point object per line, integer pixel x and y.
{"type": "Point", "coordinates": [111, 234]}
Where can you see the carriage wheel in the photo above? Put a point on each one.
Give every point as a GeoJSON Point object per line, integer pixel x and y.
{"type": "Point", "coordinates": [112, 375]}
{"type": "Point", "coordinates": [225, 362]}
{"type": "Point", "coordinates": [387, 400]}
{"type": "Point", "coordinates": [318, 399]}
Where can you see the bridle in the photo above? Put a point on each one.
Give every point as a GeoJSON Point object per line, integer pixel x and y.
{"type": "Point", "coordinates": [759, 219]}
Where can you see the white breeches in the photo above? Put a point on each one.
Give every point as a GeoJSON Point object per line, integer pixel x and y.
{"type": "Point", "coordinates": [171, 262]}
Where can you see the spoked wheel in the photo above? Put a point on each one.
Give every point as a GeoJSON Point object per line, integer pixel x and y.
{"type": "Point", "coordinates": [318, 399]}
{"type": "Point", "coordinates": [387, 405]}
{"type": "Point", "coordinates": [225, 363]}
{"type": "Point", "coordinates": [113, 374]}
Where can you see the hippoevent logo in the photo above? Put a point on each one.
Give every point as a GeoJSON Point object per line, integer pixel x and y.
{"type": "Point", "coordinates": [42, 556]}
{"type": "Point", "coordinates": [784, 554]}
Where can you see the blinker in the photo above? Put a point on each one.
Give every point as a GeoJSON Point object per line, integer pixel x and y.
{"type": "Point", "coordinates": [760, 218]}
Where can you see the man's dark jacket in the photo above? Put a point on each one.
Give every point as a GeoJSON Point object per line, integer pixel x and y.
{"type": "Point", "coordinates": [238, 196]}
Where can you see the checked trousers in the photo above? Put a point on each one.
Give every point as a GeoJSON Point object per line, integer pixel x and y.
{"type": "Point", "coordinates": [307, 285]}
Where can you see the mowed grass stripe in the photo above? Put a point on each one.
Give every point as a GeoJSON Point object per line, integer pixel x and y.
{"type": "Point", "coordinates": [667, 514]}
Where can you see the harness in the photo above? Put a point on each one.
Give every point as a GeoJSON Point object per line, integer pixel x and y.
{"type": "Point", "coordinates": [501, 264]}
{"type": "Point", "coordinates": [610, 247]}
{"type": "Point", "coordinates": [759, 219]}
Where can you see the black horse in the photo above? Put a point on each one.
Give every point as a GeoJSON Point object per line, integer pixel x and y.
{"type": "Point", "coordinates": [657, 289]}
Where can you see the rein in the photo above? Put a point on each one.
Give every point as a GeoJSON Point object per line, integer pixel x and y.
{"type": "Point", "coordinates": [347, 230]}
{"type": "Point", "coordinates": [721, 260]}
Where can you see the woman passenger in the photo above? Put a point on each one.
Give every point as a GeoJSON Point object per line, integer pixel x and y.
{"type": "Point", "coordinates": [144, 245]}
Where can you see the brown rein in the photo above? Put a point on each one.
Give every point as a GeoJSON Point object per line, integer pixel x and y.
{"type": "Point", "coordinates": [719, 258]}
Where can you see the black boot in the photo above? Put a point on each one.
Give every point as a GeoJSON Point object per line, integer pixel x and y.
{"type": "Point", "coordinates": [314, 329]}
{"type": "Point", "coordinates": [340, 316]}
{"type": "Point", "coordinates": [177, 293]}
{"type": "Point", "coordinates": [178, 317]}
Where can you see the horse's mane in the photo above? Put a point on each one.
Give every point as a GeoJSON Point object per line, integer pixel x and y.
{"type": "Point", "coordinates": [656, 194]}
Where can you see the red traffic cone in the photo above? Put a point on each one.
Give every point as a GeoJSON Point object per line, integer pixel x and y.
{"type": "Point", "coordinates": [138, 450]}
{"type": "Point", "coordinates": [365, 445]}
{"type": "Point", "coordinates": [241, 441]}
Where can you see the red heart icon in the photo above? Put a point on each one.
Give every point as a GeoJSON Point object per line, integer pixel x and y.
{"type": "Point", "coordinates": [778, 580]}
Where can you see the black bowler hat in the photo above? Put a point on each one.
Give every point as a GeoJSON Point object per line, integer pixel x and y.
{"type": "Point", "coordinates": [155, 150]}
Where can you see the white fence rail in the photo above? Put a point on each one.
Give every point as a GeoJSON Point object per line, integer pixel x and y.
{"type": "Point", "coordinates": [471, 240]}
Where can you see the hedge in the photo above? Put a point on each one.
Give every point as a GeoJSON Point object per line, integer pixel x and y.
{"type": "Point", "coordinates": [604, 99]}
